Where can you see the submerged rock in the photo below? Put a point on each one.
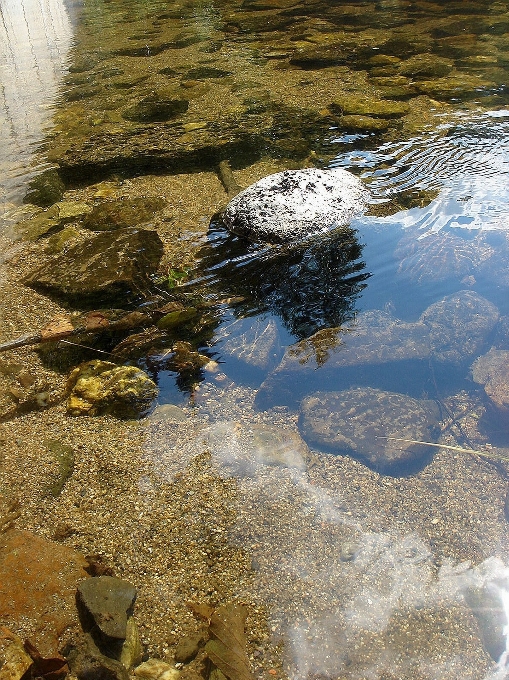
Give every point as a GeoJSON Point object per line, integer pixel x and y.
{"type": "Point", "coordinates": [291, 205]}
{"type": "Point", "coordinates": [106, 266]}
{"type": "Point", "coordinates": [459, 326]}
{"type": "Point", "coordinates": [38, 580]}
{"type": "Point", "coordinates": [107, 603]}
{"type": "Point", "coordinates": [492, 372]}
{"type": "Point", "coordinates": [98, 387]}
{"type": "Point", "coordinates": [371, 425]}
{"type": "Point", "coordinates": [257, 346]}
{"type": "Point", "coordinates": [122, 214]}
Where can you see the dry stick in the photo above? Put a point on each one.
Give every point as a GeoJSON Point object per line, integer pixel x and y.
{"type": "Point", "coordinates": [485, 454]}
{"type": "Point", "coordinates": [135, 321]}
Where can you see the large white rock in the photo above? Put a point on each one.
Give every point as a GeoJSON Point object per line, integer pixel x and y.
{"type": "Point", "coordinates": [291, 205]}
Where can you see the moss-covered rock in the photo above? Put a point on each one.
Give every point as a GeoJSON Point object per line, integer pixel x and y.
{"type": "Point", "coordinates": [45, 189]}
{"type": "Point", "coordinates": [121, 214]}
{"type": "Point", "coordinates": [99, 387]}
{"type": "Point", "coordinates": [103, 267]}
{"type": "Point", "coordinates": [358, 105]}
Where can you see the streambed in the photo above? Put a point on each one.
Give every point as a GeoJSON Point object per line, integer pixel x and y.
{"type": "Point", "coordinates": [350, 568]}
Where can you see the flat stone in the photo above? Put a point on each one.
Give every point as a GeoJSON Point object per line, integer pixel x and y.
{"type": "Point", "coordinates": [242, 449]}
{"type": "Point", "coordinates": [426, 66]}
{"type": "Point", "coordinates": [292, 205]}
{"type": "Point", "coordinates": [492, 372]}
{"type": "Point", "coordinates": [109, 265]}
{"type": "Point", "coordinates": [370, 425]}
{"type": "Point", "coordinates": [109, 602]}
{"type": "Point", "coordinates": [38, 580]}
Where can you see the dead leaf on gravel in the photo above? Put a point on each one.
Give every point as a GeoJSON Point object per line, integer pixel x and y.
{"type": "Point", "coordinates": [52, 668]}
{"type": "Point", "coordinates": [227, 648]}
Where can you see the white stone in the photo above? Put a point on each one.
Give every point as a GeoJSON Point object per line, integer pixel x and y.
{"type": "Point", "coordinates": [294, 204]}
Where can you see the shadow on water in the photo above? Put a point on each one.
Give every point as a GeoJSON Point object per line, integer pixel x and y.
{"type": "Point", "coordinates": [309, 286]}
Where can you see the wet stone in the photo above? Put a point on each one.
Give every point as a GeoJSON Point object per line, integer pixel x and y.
{"type": "Point", "coordinates": [153, 109]}
{"type": "Point", "coordinates": [294, 204]}
{"type": "Point", "coordinates": [459, 326]}
{"type": "Point", "coordinates": [122, 214]}
{"type": "Point", "coordinates": [188, 648]}
{"type": "Point", "coordinates": [107, 602]}
{"type": "Point", "coordinates": [87, 662]}
{"type": "Point", "coordinates": [369, 424]}
{"type": "Point", "coordinates": [156, 669]}
{"type": "Point", "coordinates": [109, 265]}
{"type": "Point", "coordinates": [426, 66]}
{"type": "Point", "coordinates": [45, 189]}
{"type": "Point", "coordinates": [99, 387]}
{"type": "Point", "coordinates": [14, 661]}
{"type": "Point", "coordinates": [492, 372]}
{"type": "Point", "coordinates": [38, 580]}
{"type": "Point", "coordinates": [366, 106]}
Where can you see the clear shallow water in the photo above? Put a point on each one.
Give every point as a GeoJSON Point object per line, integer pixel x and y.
{"type": "Point", "coordinates": [449, 172]}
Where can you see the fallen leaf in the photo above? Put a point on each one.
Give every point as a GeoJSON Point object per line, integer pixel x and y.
{"type": "Point", "coordinates": [52, 668]}
{"type": "Point", "coordinates": [201, 611]}
{"type": "Point", "coordinates": [227, 649]}
{"type": "Point", "coordinates": [59, 327]}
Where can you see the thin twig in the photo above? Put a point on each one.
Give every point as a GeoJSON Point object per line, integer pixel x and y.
{"type": "Point", "coordinates": [485, 454]}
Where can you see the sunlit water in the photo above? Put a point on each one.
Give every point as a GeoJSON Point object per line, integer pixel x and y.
{"type": "Point", "coordinates": [285, 296]}
{"type": "Point", "coordinates": [35, 38]}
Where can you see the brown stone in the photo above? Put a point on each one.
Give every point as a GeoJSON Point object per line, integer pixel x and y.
{"type": "Point", "coordinates": [38, 580]}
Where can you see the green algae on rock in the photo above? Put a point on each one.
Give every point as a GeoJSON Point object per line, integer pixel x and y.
{"type": "Point", "coordinates": [103, 267]}
{"type": "Point", "coordinates": [121, 214]}
{"type": "Point", "coordinates": [99, 387]}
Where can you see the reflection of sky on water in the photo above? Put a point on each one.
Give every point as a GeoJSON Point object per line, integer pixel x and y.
{"type": "Point", "coordinates": [468, 161]}
{"type": "Point", "coordinates": [35, 36]}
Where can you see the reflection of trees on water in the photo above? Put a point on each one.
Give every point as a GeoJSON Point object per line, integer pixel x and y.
{"type": "Point", "coordinates": [310, 286]}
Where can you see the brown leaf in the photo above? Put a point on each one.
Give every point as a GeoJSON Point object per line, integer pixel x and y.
{"type": "Point", "coordinates": [52, 668]}
{"type": "Point", "coordinates": [59, 327]}
{"type": "Point", "coordinates": [227, 650]}
{"type": "Point", "coordinates": [201, 611]}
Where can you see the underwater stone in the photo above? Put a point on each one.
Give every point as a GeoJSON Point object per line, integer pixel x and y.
{"type": "Point", "coordinates": [108, 602]}
{"type": "Point", "coordinates": [108, 265]}
{"type": "Point", "coordinates": [152, 110]}
{"type": "Point", "coordinates": [492, 372]}
{"type": "Point", "coordinates": [45, 189]}
{"type": "Point", "coordinates": [98, 387]}
{"type": "Point", "coordinates": [459, 326]}
{"type": "Point", "coordinates": [362, 423]}
{"type": "Point", "coordinates": [122, 214]}
{"type": "Point", "coordinates": [426, 66]}
{"type": "Point", "coordinates": [294, 204]}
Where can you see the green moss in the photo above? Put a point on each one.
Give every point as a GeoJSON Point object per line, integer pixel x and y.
{"type": "Point", "coordinates": [64, 455]}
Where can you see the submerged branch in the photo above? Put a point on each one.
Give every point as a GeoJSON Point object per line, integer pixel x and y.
{"type": "Point", "coordinates": [475, 452]}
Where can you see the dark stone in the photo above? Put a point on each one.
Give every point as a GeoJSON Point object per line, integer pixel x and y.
{"type": "Point", "coordinates": [188, 647]}
{"type": "Point", "coordinates": [371, 425]}
{"type": "Point", "coordinates": [106, 603]}
{"type": "Point", "coordinates": [45, 189]}
{"type": "Point", "coordinates": [122, 214]}
{"type": "Point", "coordinates": [152, 110]}
{"type": "Point", "coordinates": [203, 72]}
{"type": "Point", "coordinates": [101, 268]}
{"type": "Point", "coordinates": [87, 662]}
